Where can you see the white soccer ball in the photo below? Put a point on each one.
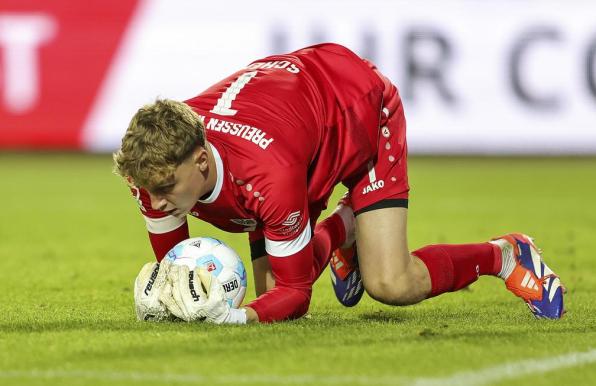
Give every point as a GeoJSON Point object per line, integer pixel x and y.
{"type": "Point", "coordinates": [217, 258]}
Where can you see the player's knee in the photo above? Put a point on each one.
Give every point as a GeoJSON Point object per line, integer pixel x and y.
{"type": "Point", "coordinates": [387, 290]}
{"type": "Point", "coordinates": [396, 291]}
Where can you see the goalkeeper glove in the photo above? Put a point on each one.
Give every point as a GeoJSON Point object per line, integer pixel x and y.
{"type": "Point", "coordinates": [148, 286]}
{"type": "Point", "coordinates": [199, 296]}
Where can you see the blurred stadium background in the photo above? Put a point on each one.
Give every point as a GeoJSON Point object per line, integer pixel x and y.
{"type": "Point", "coordinates": [512, 80]}
{"type": "Point", "coordinates": [496, 77]}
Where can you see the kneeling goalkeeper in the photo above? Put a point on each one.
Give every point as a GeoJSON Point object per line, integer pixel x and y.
{"type": "Point", "coordinates": [260, 152]}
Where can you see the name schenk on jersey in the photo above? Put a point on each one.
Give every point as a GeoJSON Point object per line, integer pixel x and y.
{"type": "Point", "coordinates": [257, 136]}
{"type": "Point", "coordinates": [278, 64]}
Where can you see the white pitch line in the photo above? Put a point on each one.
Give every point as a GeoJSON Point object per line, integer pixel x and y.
{"type": "Point", "coordinates": [510, 370]}
{"type": "Point", "coordinates": [468, 378]}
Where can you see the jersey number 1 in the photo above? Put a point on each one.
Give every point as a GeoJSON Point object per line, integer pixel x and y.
{"type": "Point", "coordinates": [224, 103]}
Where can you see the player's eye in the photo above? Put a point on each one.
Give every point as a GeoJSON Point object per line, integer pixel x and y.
{"type": "Point", "coordinates": [164, 189]}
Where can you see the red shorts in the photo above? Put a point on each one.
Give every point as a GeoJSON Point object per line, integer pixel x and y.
{"type": "Point", "coordinates": [384, 182]}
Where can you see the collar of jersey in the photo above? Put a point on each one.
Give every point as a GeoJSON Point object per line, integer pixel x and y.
{"type": "Point", "coordinates": [220, 176]}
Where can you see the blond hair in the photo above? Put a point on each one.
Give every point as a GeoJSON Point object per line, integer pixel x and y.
{"type": "Point", "coordinates": [160, 137]}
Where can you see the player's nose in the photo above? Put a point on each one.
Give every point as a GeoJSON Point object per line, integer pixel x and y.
{"type": "Point", "coordinates": [158, 202]}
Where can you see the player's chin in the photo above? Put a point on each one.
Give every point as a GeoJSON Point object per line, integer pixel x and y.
{"type": "Point", "coordinates": [179, 213]}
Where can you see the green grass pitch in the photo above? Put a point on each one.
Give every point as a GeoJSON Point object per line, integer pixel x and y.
{"type": "Point", "coordinates": [72, 241]}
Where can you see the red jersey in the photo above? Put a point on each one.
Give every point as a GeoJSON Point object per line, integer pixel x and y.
{"type": "Point", "coordinates": [284, 131]}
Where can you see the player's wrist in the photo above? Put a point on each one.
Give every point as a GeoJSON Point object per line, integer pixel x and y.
{"type": "Point", "coordinates": [236, 316]}
{"type": "Point", "coordinates": [251, 315]}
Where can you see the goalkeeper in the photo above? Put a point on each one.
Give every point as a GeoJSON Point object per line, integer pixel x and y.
{"type": "Point", "coordinates": [260, 152]}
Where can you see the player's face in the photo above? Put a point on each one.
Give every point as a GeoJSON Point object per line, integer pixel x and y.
{"type": "Point", "coordinates": [190, 183]}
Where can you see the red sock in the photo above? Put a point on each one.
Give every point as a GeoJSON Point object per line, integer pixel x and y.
{"type": "Point", "coordinates": [453, 267]}
{"type": "Point", "coordinates": [329, 235]}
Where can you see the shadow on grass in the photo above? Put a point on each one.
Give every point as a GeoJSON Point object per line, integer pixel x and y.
{"type": "Point", "coordinates": [425, 323]}
{"type": "Point", "coordinates": [392, 317]}
{"type": "Point", "coordinates": [132, 325]}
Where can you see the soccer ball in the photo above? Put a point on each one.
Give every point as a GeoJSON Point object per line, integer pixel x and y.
{"type": "Point", "coordinates": [216, 257]}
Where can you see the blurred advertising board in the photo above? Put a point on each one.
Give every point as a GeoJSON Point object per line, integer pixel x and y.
{"type": "Point", "coordinates": [484, 77]}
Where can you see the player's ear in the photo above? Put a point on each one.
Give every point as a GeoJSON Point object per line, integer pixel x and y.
{"type": "Point", "coordinates": [201, 158]}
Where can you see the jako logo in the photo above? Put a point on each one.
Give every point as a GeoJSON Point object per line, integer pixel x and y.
{"type": "Point", "coordinates": [373, 186]}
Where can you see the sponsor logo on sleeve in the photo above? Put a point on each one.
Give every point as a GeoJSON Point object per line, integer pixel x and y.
{"type": "Point", "coordinates": [292, 219]}
{"type": "Point", "coordinates": [292, 223]}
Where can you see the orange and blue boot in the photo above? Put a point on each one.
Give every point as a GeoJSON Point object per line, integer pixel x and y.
{"type": "Point", "coordinates": [528, 277]}
{"type": "Point", "coordinates": [345, 276]}
{"type": "Point", "coordinates": [345, 273]}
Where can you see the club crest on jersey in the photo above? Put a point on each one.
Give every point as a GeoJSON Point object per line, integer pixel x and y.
{"type": "Point", "coordinates": [375, 185]}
